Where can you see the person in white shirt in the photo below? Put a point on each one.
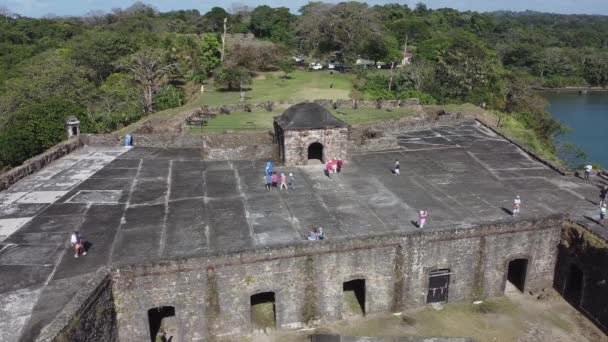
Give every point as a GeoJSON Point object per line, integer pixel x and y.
{"type": "Point", "coordinates": [77, 244]}
{"type": "Point", "coordinates": [516, 205]}
{"type": "Point", "coordinates": [588, 169]}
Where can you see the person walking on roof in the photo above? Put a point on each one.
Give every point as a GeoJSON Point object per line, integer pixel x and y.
{"type": "Point", "coordinates": [77, 244]}
{"type": "Point", "coordinates": [292, 181]}
{"type": "Point", "coordinates": [603, 194]}
{"type": "Point", "coordinates": [516, 205]}
{"type": "Point", "coordinates": [275, 179]}
{"type": "Point", "coordinates": [422, 218]}
{"type": "Point", "coordinates": [588, 169]}
{"type": "Point", "coordinates": [283, 181]}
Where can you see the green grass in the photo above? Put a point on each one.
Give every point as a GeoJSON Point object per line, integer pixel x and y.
{"type": "Point", "coordinates": [237, 121]}
{"type": "Point", "coordinates": [270, 86]}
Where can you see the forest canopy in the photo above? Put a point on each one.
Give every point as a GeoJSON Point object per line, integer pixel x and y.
{"type": "Point", "coordinates": [111, 69]}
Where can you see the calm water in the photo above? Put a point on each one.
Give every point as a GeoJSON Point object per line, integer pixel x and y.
{"type": "Point", "coordinates": [587, 115]}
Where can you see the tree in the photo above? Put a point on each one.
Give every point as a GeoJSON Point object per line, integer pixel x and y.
{"type": "Point", "coordinates": [149, 69]}
{"type": "Point", "coordinates": [98, 49]}
{"type": "Point", "coordinates": [273, 23]}
{"type": "Point", "coordinates": [47, 75]}
{"type": "Point", "coordinates": [381, 47]}
{"type": "Point", "coordinates": [326, 28]}
{"type": "Point", "coordinates": [196, 55]}
{"type": "Point", "coordinates": [168, 97]}
{"type": "Point", "coordinates": [214, 19]}
{"type": "Point", "coordinates": [35, 128]}
{"type": "Point", "coordinates": [232, 78]}
{"type": "Point", "coordinates": [287, 66]}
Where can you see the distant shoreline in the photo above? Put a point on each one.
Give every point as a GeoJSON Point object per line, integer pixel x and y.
{"type": "Point", "coordinates": [585, 89]}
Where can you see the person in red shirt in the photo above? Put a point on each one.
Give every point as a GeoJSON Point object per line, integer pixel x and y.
{"type": "Point", "coordinates": [340, 164]}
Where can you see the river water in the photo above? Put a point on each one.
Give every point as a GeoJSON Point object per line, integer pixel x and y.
{"type": "Point", "coordinates": [587, 115]}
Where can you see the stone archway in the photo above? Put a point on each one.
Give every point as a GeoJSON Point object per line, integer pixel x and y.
{"type": "Point", "coordinates": [315, 151]}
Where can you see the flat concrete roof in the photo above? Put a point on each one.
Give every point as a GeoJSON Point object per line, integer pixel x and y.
{"type": "Point", "coordinates": [147, 204]}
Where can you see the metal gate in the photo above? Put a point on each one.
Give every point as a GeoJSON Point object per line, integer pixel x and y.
{"type": "Point", "coordinates": [439, 284]}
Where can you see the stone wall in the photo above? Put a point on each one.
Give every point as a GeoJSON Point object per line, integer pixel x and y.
{"type": "Point", "coordinates": [211, 295]}
{"type": "Point", "coordinates": [334, 141]}
{"type": "Point", "coordinates": [256, 145]}
{"type": "Point", "coordinates": [583, 250]}
{"type": "Point", "coordinates": [89, 316]}
{"type": "Point", "coordinates": [38, 162]}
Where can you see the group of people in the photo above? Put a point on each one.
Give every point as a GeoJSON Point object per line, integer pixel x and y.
{"type": "Point", "coordinates": [276, 180]}
{"type": "Point", "coordinates": [333, 166]}
{"type": "Point", "coordinates": [316, 234]}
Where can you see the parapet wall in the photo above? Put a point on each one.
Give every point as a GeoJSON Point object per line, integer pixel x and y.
{"type": "Point", "coordinates": [211, 295]}
{"type": "Point", "coordinates": [38, 162]}
{"type": "Point", "coordinates": [89, 316]}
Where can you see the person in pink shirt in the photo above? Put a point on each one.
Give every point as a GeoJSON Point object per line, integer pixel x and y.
{"type": "Point", "coordinates": [275, 179]}
{"type": "Point", "coordinates": [283, 181]}
{"type": "Point", "coordinates": [422, 218]}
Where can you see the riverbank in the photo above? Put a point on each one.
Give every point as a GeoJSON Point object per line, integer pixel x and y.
{"type": "Point", "coordinates": [569, 89]}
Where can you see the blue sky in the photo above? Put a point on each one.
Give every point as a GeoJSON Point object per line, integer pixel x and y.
{"type": "Point", "coordinates": [38, 8]}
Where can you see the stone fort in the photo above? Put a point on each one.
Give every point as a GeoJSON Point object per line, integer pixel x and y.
{"type": "Point", "coordinates": [185, 238]}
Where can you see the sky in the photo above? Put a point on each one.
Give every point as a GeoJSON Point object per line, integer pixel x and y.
{"type": "Point", "coordinates": [39, 8]}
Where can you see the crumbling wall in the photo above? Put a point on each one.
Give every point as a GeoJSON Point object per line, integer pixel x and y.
{"type": "Point", "coordinates": [38, 162]}
{"type": "Point", "coordinates": [211, 295]}
{"type": "Point", "coordinates": [580, 248]}
{"type": "Point", "coordinates": [89, 316]}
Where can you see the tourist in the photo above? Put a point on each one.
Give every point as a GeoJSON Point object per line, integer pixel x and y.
{"type": "Point", "coordinates": [602, 213]}
{"type": "Point", "coordinates": [283, 181]}
{"type": "Point", "coordinates": [77, 243]}
{"type": "Point", "coordinates": [312, 235]}
{"type": "Point", "coordinates": [340, 164]}
{"type": "Point", "coordinates": [268, 179]}
{"type": "Point", "coordinates": [516, 205]}
{"type": "Point", "coordinates": [422, 218]}
{"type": "Point", "coordinates": [320, 234]}
{"type": "Point", "coordinates": [603, 194]}
{"type": "Point", "coordinates": [328, 168]}
{"type": "Point", "coordinates": [588, 169]}
{"type": "Point", "coordinates": [292, 181]}
{"type": "Point", "coordinates": [334, 165]}
{"type": "Point", "coordinates": [275, 179]}
{"type": "Point", "coordinates": [397, 169]}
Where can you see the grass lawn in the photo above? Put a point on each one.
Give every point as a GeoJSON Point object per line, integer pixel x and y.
{"type": "Point", "coordinates": [270, 86]}
{"type": "Point", "coordinates": [263, 120]}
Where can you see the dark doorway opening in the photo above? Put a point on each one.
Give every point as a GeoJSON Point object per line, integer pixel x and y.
{"type": "Point", "coordinates": [574, 286]}
{"type": "Point", "coordinates": [439, 284]}
{"type": "Point", "coordinates": [155, 318]}
{"type": "Point", "coordinates": [263, 311]}
{"type": "Point", "coordinates": [74, 131]}
{"type": "Point", "coordinates": [315, 151]}
{"type": "Point", "coordinates": [516, 273]}
{"type": "Point", "coordinates": [353, 297]}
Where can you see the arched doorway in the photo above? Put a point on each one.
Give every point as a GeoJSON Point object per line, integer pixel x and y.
{"type": "Point", "coordinates": [315, 151]}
